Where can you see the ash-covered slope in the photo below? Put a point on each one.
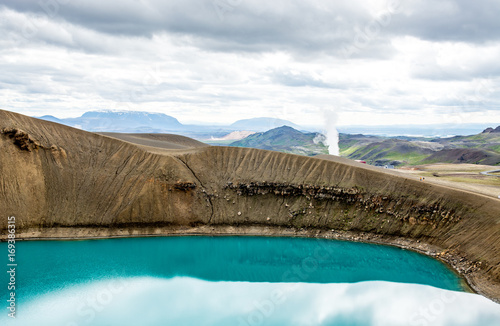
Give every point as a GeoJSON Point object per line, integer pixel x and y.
{"type": "Point", "coordinates": [53, 175]}
{"type": "Point", "coordinates": [56, 177]}
{"type": "Point", "coordinates": [165, 141]}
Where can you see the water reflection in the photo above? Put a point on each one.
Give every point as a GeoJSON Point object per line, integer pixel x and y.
{"type": "Point", "coordinates": [188, 301]}
{"type": "Point", "coordinates": [236, 281]}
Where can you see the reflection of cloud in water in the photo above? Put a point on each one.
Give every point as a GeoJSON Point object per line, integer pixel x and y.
{"type": "Point", "coordinates": [186, 301]}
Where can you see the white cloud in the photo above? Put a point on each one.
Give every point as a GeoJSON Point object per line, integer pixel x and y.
{"type": "Point", "coordinates": [280, 59]}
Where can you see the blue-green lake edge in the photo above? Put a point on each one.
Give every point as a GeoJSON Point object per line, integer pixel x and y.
{"type": "Point", "coordinates": [225, 258]}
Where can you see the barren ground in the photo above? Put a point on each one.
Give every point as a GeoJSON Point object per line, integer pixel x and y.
{"type": "Point", "coordinates": [461, 176]}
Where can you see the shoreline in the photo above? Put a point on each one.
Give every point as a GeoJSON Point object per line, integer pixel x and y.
{"type": "Point", "coordinates": [474, 277]}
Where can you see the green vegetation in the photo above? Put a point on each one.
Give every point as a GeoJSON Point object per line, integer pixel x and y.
{"type": "Point", "coordinates": [483, 148]}
{"type": "Point", "coordinates": [286, 139]}
{"type": "Point", "coordinates": [346, 151]}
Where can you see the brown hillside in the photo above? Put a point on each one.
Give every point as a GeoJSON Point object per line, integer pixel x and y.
{"type": "Point", "coordinates": [465, 155]}
{"type": "Point", "coordinates": [55, 177]}
{"type": "Point", "coordinates": [165, 141]}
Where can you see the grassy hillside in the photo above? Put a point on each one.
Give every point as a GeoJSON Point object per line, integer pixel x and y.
{"type": "Point", "coordinates": [463, 155]}
{"type": "Point", "coordinates": [392, 151]}
{"type": "Point", "coordinates": [348, 144]}
{"type": "Point", "coordinates": [285, 139]}
{"type": "Point", "coordinates": [483, 148]}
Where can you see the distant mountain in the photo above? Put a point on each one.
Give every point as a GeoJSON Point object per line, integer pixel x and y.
{"type": "Point", "coordinates": [146, 122]}
{"type": "Point", "coordinates": [490, 130]}
{"type": "Point", "coordinates": [286, 139]}
{"type": "Point", "coordinates": [482, 148]}
{"type": "Point", "coordinates": [393, 151]}
{"type": "Point", "coordinates": [261, 124]}
{"type": "Point", "coordinates": [430, 130]}
{"type": "Point", "coordinates": [51, 118]}
{"type": "Point", "coordinates": [129, 121]}
{"type": "Point", "coordinates": [464, 155]}
{"type": "Point", "coordinates": [489, 140]}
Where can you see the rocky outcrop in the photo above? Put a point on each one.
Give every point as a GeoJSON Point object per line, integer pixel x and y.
{"type": "Point", "coordinates": [21, 139]}
{"type": "Point", "coordinates": [355, 198]}
{"type": "Point", "coordinates": [491, 130]}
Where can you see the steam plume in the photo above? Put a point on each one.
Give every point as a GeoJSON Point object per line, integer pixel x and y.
{"type": "Point", "coordinates": [331, 133]}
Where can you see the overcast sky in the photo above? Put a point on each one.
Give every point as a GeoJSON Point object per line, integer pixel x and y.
{"type": "Point", "coordinates": [371, 62]}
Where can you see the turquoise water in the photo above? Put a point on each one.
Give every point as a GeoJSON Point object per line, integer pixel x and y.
{"type": "Point", "coordinates": [202, 276]}
{"type": "Point", "coordinates": [48, 265]}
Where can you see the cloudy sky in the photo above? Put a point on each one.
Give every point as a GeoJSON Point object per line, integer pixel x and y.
{"type": "Point", "coordinates": [370, 62]}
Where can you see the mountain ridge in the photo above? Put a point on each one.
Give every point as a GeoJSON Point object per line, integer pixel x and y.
{"type": "Point", "coordinates": [483, 148]}
{"type": "Point", "coordinates": [149, 122]}
{"type": "Point", "coordinates": [261, 124]}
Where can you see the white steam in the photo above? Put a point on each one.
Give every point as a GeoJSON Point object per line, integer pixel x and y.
{"type": "Point", "coordinates": [331, 133]}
